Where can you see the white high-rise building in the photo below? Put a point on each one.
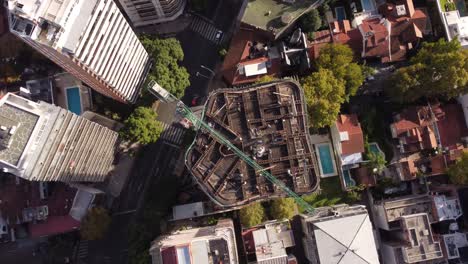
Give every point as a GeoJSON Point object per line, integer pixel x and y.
{"type": "Point", "coordinates": [90, 39]}
{"type": "Point", "coordinates": [147, 12]}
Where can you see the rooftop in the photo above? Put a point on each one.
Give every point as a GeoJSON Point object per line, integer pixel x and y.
{"type": "Point", "coordinates": [351, 136]}
{"type": "Point", "coordinates": [344, 235]}
{"type": "Point", "coordinates": [269, 242]}
{"type": "Point", "coordinates": [43, 207]}
{"type": "Point", "coordinates": [274, 16]}
{"type": "Point", "coordinates": [454, 243]}
{"type": "Point", "coordinates": [419, 235]}
{"type": "Point", "coordinates": [409, 205]}
{"type": "Point", "coordinates": [248, 47]}
{"type": "Point", "coordinates": [211, 245]}
{"type": "Point", "coordinates": [269, 124]}
{"type": "Point", "coordinates": [20, 124]}
{"type": "Point", "coordinates": [49, 143]}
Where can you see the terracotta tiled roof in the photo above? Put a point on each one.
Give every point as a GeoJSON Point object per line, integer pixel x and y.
{"type": "Point", "coordinates": [238, 55]}
{"type": "Point", "coordinates": [350, 124]}
{"type": "Point", "coordinates": [364, 176]}
{"type": "Point", "coordinates": [452, 128]}
{"type": "Point", "coordinates": [53, 225]}
{"type": "Point", "coordinates": [16, 197]}
{"type": "Point", "coordinates": [376, 38]}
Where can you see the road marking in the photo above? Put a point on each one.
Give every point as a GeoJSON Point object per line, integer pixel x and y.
{"type": "Point", "coordinates": [206, 30]}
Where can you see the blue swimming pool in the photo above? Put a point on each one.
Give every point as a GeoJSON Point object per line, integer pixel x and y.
{"type": "Point", "coordinates": [349, 181]}
{"type": "Point", "coordinates": [374, 147]}
{"type": "Point", "coordinates": [340, 13]}
{"type": "Point", "coordinates": [325, 156]}
{"type": "Point", "coordinates": [74, 100]}
{"type": "Point", "coordinates": [368, 5]}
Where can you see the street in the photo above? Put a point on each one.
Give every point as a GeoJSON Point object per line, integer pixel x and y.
{"type": "Point", "coordinates": [201, 48]}
{"type": "Point", "coordinates": [155, 162]}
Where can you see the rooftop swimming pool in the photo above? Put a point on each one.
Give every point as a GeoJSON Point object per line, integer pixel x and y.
{"type": "Point", "coordinates": [368, 5]}
{"type": "Point", "coordinates": [374, 147]}
{"type": "Point", "coordinates": [74, 100]}
{"type": "Point", "coordinates": [326, 161]}
{"type": "Point", "coordinates": [340, 13]}
{"type": "Point", "coordinates": [348, 180]}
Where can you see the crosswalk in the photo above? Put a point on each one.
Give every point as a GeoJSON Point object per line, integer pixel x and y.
{"type": "Point", "coordinates": [206, 30]}
{"type": "Point", "coordinates": [172, 134]}
{"type": "Point", "coordinates": [83, 250]}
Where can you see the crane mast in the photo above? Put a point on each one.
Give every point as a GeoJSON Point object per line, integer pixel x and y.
{"type": "Point", "coordinates": [198, 124]}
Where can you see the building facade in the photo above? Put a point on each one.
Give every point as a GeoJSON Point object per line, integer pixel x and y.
{"type": "Point", "coordinates": [148, 12]}
{"type": "Point", "coordinates": [43, 142]}
{"type": "Point", "coordinates": [90, 39]}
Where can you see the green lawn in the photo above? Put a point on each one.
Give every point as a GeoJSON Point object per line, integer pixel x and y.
{"type": "Point", "coordinates": [256, 12]}
{"type": "Point", "coordinates": [331, 194]}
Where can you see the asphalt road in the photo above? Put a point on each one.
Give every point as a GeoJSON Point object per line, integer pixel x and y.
{"type": "Point", "coordinates": [154, 162]}
{"type": "Point", "coordinates": [200, 51]}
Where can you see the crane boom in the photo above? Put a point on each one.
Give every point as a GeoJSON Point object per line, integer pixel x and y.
{"type": "Point", "coordinates": [198, 123]}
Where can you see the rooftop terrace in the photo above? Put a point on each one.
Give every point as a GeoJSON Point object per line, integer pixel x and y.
{"type": "Point", "coordinates": [274, 15]}
{"type": "Point", "coordinates": [19, 124]}
{"type": "Point", "coordinates": [269, 124]}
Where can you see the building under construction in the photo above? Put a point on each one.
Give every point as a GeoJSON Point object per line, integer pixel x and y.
{"type": "Point", "coordinates": [269, 124]}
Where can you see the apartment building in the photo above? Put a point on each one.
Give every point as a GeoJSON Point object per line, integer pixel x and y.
{"type": "Point", "coordinates": [339, 234]}
{"type": "Point", "coordinates": [90, 39]}
{"type": "Point", "coordinates": [43, 142]}
{"type": "Point", "coordinates": [211, 244]}
{"type": "Point", "coordinates": [148, 12]}
{"type": "Point", "coordinates": [407, 234]}
{"type": "Point", "coordinates": [269, 243]}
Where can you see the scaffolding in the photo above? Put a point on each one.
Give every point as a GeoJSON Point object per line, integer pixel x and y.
{"type": "Point", "coordinates": [199, 124]}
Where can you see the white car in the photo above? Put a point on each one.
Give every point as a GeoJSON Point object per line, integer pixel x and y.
{"type": "Point", "coordinates": [219, 35]}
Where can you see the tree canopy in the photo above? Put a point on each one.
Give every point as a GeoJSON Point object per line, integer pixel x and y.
{"type": "Point", "coordinates": [338, 58]}
{"type": "Point", "coordinates": [252, 215]}
{"type": "Point", "coordinates": [310, 21]}
{"type": "Point", "coordinates": [142, 126]}
{"type": "Point", "coordinates": [166, 71]}
{"type": "Point", "coordinates": [458, 172]}
{"type": "Point", "coordinates": [440, 69]}
{"type": "Point", "coordinates": [324, 95]}
{"type": "Point", "coordinates": [283, 208]}
{"type": "Point", "coordinates": [265, 79]}
{"type": "Point", "coordinates": [95, 224]}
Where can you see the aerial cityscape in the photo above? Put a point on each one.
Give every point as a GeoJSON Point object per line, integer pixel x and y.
{"type": "Point", "coordinates": [233, 131]}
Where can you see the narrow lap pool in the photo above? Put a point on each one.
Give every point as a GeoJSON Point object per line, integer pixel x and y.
{"type": "Point", "coordinates": [340, 13]}
{"type": "Point", "coordinates": [326, 161]}
{"type": "Point", "coordinates": [348, 180]}
{"type": "Point", "coordinates": [74, 100]}
{"type": "Point", "coordinates": [368, 5]}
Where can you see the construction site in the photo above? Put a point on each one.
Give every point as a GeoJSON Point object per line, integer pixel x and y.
{"type": "Point", "coordinates": [268, 123]}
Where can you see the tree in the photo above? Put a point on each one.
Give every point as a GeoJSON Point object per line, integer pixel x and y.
{"type": "Point", "coordinates": [324, 95]}
{"type": "Point", "coordinates": [283, 208]}
{"type": "Point", "coordinates": [377, 162]}
{"type": "Point", "coordinates": [458, 172]}
{"type": "Point", "coordinates": [142, 126]}
{"type": "Point", "coordinates": [265, 79]}
{"type": "Point", "coordinates": [95, 224]}
{"type": "Point", "coordinates": [440, 69]}
{"type": "Point", "coordinates": [252, 215]}
{"type": "Point", "coordinates": [338, 58]}
{"type": "Point", "coordinates": [166, 71]}
{"type": "Point", "coordinates": [310, 21]}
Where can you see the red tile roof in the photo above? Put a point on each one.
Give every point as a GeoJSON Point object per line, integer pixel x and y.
{"type": "Point", "coordinates": [376, 42]}
{"type": "Point", "coordinates": [350, 124]}
{"type": "Point", "coordinates": [16, 197]}
{"type": "Point", "coordinates": [53, 225]}
{"type": "Point", "coordinates": [452, 128]}
{"type": "Point", "coordinates": [238, 55]}
{"type": "Point", "coordinates": [364, 176]}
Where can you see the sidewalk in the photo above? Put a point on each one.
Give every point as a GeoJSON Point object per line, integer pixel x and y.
{"type": "Point", "coordinates": [168, 28]}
